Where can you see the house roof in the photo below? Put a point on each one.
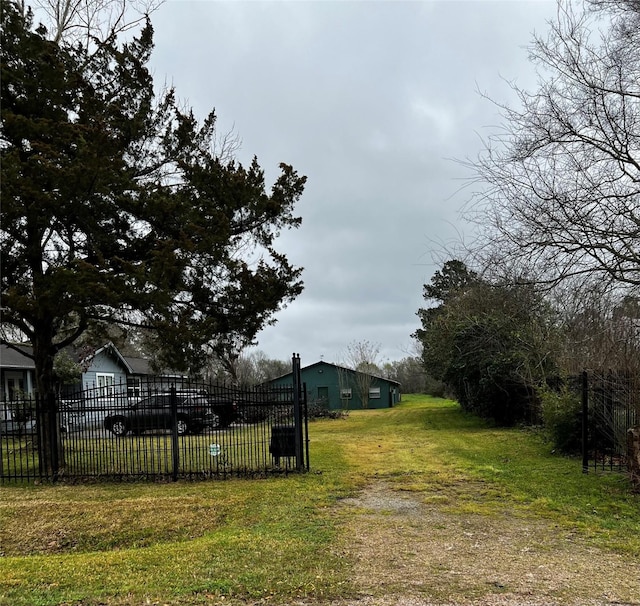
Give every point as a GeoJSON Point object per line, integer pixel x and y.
{"type": "Point", "coordinates": [142, 366]}
{"type": "Point", "coordinates": [11, 358]}
{"type": "Point", "coordinates": [323, 363]}
{"type": "Point", "coordinates": [111, 348]}
{"type": "Point", "coordinates": [139, 366]}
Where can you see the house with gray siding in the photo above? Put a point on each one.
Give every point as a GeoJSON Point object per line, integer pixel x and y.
{"type": "Point", "coordinates": [105, 370]}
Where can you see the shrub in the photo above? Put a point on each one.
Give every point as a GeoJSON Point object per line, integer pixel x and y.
{"type": "Point", "coordinates": [318, 411]}
{"type": "Point", "coordinates": [436, 388]}
{"type": "Point", "coordinates": [561, 413]}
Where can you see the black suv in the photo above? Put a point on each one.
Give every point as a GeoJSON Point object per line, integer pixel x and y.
{"type": "Point", "coordinates": [195, 412]}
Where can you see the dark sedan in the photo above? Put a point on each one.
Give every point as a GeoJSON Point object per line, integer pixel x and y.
{"type": "Point", "coordinates": [195, 412]}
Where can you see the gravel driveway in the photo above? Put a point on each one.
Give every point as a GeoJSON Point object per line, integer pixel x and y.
{"type": "Point", "coordinates": [412, 551]}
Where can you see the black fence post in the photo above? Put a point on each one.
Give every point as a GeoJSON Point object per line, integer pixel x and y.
{"type": "Point", "coordinates": [40, 436]}
{"type": "Point", "coordinates": [175, 455]}
{"type": "Point", "coordinates": [585, 422]}
{"type": "Point", "coordinates": [306, 424]}
{"type": "Point", "coordinates": [54, 430]}
{"type": "Point", "coordinates": [297, 416]}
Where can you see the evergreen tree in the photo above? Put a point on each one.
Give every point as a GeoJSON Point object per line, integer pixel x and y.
{"type": "Point", "coordinates": [116, 207]}
{"type": "Point", "coordinates": [493, 345]}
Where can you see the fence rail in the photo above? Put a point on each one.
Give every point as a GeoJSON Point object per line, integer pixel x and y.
{"type": "Point", "coordinates": [164, 432]}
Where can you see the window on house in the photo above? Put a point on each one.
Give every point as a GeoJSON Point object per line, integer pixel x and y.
{"type": "Point", "coordinates": [14, 385]}
{"type": "Point", "coordinates": [345, 394]}
{"type": "Point", "coordinates": [374, 393]}
{"type": "Point", "coordinates": [105, 381]}
{"type": "Point", "coordinates": [133, 387]}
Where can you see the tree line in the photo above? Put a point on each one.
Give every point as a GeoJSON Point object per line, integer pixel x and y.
{"type": "Point", "coordinates": [549, 286]}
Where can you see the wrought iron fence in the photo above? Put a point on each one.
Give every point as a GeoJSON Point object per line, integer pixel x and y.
{"type": "Point", "coordinates": [165, 430]}
{"type": "Point", "coordinates": [610, 407]}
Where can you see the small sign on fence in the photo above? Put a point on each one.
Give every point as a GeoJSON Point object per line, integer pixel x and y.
{"type": "Point", "coordinates": [214, 449]}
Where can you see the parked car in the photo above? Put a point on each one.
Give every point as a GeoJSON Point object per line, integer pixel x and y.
{"type": "Point", "coordinates": [17, 418]}
{"type": "Point", "coordinates": [195, 412]}
{"type": "Point", "coordinates": [19, 428]}
{"type": "Point", "coordinates": [252, 412]}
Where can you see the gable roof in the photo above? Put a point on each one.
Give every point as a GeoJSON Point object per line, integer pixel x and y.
{"type": "Point", "coordinates": [139, 366]}
{"type": "Point", "coordinates": [142, 366]}
{"type": "Point", "coordinates": [112, 349]}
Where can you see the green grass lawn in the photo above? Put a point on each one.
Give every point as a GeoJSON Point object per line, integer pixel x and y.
{"type": "Point", "coordinates": [280, 538]}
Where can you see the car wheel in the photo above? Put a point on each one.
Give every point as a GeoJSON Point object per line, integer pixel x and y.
{"type": "Point", "coordinates": [213, 420]}
{"type": "Point", "coordinates": [118, 427]}
{"type": "Point", "coordinates": [182, 426]}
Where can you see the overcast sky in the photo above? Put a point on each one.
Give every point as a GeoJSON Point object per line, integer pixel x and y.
{"type": "Point", "coordinates": [370, 100]}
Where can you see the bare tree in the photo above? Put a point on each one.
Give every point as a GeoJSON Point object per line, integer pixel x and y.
{"type": "Point", "coordinates": [245, 369]}
{"type": "Point", "coordinates": [345, 385]}
{"type": "Point", "coordinates": [91, 22]}
{"type": "Point", "coordinates": [558, 188]}
{"type": "Point", "coordinates": [600, 331]}
{"type": "Point", "coordinates": [410, 373]}
{"type": "Point", "coordinates": [364, 358]}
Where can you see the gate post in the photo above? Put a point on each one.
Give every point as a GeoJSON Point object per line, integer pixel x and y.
{"type": "Point", "coordinates": [585, 422]}
{"type": "Point", "coordinates": [175, 456]}
{"type": "Point", "coordinates": [297, 416]}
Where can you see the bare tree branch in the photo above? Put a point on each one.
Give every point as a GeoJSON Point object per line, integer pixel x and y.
{"type": "Point", "coordinates": [92, 21]}
{"type": "Point", "coordinates": [556, 191]}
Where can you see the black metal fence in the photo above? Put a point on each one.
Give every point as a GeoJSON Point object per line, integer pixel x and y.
{"type": "Point", "coordinates": [610, 407]}
{"type": "Point", "coordinates": [165, 430]}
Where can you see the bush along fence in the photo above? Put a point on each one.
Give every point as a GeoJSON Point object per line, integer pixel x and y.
{"type": "Point", "coordinates": [158, 430]}
{"type": "Point", "coordinates": [610, 421]}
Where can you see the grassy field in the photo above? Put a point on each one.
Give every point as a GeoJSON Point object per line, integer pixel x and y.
{"type": "Point", "coordinates": [284, 538]}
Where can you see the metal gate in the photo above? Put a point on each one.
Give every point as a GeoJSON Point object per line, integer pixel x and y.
{"type": "Point", "coordinates": [162, 431]}
{"type": "Point", "coordinates": [610, 407]}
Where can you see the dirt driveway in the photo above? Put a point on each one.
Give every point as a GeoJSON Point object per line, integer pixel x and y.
{"type": "Point", "coordinates": [414, 552]}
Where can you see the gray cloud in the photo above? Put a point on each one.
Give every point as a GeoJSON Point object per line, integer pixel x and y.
{"type": "Point", "coordinates": [370, 100]}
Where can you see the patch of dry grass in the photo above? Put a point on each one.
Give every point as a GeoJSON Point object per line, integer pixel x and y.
{"type": "Point", "coordinates": [183, 543]}
{"type": "Point", "coordinates": [76, 525]}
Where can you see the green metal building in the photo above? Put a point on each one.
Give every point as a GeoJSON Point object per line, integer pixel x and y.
{"type": "Point", "coordinates": [336, 387]}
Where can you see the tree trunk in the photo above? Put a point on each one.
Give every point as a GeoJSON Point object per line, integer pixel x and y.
{"type": "Point", "coordinates": [51, 455]}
